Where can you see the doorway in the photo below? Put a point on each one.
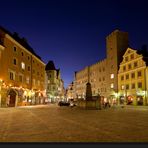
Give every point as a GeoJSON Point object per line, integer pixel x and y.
{"type": "Point", "coordinates": [12, 98]}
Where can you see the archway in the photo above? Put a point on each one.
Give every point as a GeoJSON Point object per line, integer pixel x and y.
{"type": "Point", "coordinates": [12, 98]}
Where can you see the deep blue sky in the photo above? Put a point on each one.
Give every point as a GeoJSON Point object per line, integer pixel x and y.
{"type": "Point", "coordinates": [72, 32]}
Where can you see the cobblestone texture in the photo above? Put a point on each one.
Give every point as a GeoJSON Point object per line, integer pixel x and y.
{"type": "Point", "coordinates": [52, 123]}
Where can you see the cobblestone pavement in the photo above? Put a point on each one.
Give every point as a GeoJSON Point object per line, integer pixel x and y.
{"type": "Point", "coordinates": [52, 123]}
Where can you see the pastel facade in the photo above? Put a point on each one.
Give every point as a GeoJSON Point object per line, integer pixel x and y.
{"type": "Point", "coordinates": [22, 72]}
{"type": "Point", "coordinates": [133, 78]}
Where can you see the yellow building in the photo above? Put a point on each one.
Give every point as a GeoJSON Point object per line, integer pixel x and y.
{"type": "Point", "coordinates": [55, 85]}
{"type": "Point", "coordinates": [22, 72]}
{"type": "Point", "coordinates": [103, 75]}
{"type": "Point", "coordinates": [132, 78]}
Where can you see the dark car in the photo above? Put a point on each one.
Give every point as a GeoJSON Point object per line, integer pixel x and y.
{"type": "Point", "coordinates": [62, 103]}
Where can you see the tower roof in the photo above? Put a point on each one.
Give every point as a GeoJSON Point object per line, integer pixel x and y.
{"type": "Point", "coordinates": [50, 66]}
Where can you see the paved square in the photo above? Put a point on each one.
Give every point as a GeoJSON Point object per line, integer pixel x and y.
{"type": "Point", "coordinates": [52, 123]}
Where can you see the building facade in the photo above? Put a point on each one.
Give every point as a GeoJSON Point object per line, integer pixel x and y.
{"type": "Point", "coordinates": [55, 85]}
{"type": "Point", "coordinates": [22, 72]}
{"type": "Point", "coordinates": [132, 78]}
{"type": "Point", "coordinates": [103, 75]}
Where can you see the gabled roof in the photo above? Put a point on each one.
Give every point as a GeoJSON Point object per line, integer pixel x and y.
{"type": "Point", "coordinates": [21, 41]}
{"type": "Point", "coordinates": [50, 66]}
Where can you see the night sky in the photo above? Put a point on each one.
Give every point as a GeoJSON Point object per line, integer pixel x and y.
{"type": "Point", "coordinates": [72, 32]}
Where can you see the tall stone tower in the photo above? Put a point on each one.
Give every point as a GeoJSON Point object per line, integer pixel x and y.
{"type": "Point", "coordinates": [116, 44]}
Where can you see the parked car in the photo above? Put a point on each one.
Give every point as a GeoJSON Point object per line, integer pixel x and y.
{"type": "Point", "coordinates": [63, 103]}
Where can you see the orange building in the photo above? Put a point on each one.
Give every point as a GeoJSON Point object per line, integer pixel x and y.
{"type": "Point", "coordinates": [22, 72]}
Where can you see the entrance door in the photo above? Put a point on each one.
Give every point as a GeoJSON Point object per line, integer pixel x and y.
{"type": "Point", "coordinates": [12, 98]}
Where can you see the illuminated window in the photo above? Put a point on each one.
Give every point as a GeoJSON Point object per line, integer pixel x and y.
{"type": "Point", "coordinates": [38, 82]}
{"type": "Point", "coordinates": [122, 87]}
{"type": "Point", "coordinates": [12, 76]}
{"type": "Point", "coordinates": [23, 65]}
{"type": "Point", "coordinates": [112, 76]}
{"type": "Point", "coordinates": [112, 85]}
{"type": "Point", "coordinates": [27, 80]}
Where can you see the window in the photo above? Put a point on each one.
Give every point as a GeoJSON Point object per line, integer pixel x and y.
{"type": "Point", "coordinates": [135, 64]}
{"type": "Point", "coordinates": [133, 75]}
{"type": "Point", "coordinates": [112, 66]}
{"type": "Point", "coordinates": [112, 85]}
{"type": "Point", "coordinates": [11, 76]}
{"type": "Point", "coordinates": [127, 86]}
{"type": "Point", "coordinates": [27, 80]}
{"type": "Point", "coordinates": [14, 49]}
{"type": "Point", "coordinates": [23, 65]}
{"type": "Point", "coordinates": [129, 66]}
{"type": "Point", "coordinates": [132, 56]}
{"type": "Point", "coordinates": [22, 54]}
{"type": "Point", "coordinates": [133, 86]}
{"type": "Point", "coordinates": [127, 76]}
{"type": "Point", "coordinates": [48, 81]}
{"type": "Point", "coordinates": [21, 78]}
{"type": "Point", "coordinates": [139, 85]}
{"type": "Point", "coordinates": [122, 78]}
{"type": "Point", "coordinates": [14, 61]}
{"type": "Point", "coordinates": [28, 68]}
{"type": "Point", "coordinates": [28, 57]}
{"type": "Point", "coordinates": [112, 76]}
{"type": "Point", "coordinates": [33, 81]}
{"type": "Point", "coordinates": [124, 68]}
{"type": "Point", "coordinates": [122, 87]}
{"type": "Point", "coordinates": [139, 74]}
{"type": "Point", "coordinates": [49, 76]}
{"type": "Point", "coordinates": [126, 59]}
{"type": "Point", "coordinates": [38, 82]}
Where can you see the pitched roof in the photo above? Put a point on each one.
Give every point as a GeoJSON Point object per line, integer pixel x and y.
{"type": "Point", "coordinates": [21, 41]}
{"type": "Point", "coordinates": [50, 66]}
